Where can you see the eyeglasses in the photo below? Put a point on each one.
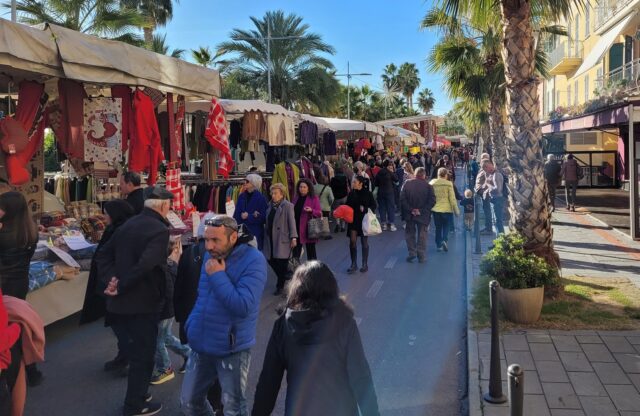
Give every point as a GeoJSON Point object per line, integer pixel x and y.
{"type": "Point", "coordinates": [227, 222]}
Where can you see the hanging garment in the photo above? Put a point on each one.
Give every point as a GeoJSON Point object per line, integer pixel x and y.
{"type": "Point", "coordinates": [102, 129]}
{"type": "Point", "coordinates": [329, 143]}
{"type": "Point", "coordinates": [128, 127]}
{"type": "Point", "coordinates": [253, 126]}
{"type": "Point", "coordinates": [174, 186]}
{"type": "Point", "coordinates": [72, 95]}
{"type": "Point", "coordinates": [287, 174]}
{"type": "Point", "coordinates": [280, 130]}
{"type": "Point", "coordinates": [217, 135]}
{"type": "Point", "coordinates": [235, 134]}
{"type": "Point", "coordinates": [177, 133]}
{"type": "Point", "coordinates": [306, 169]}
{"type": "Point", "coordinates": [145, 152]}
{"type": "Point", "coordinates": [308, 132]}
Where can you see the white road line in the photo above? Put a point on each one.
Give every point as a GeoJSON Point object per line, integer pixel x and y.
{"type": "Point", "coordinates": [392, 262]}
{"type": "Point", "coordinates": [375, 288]}
{"type": "Point", "coordinates": [358, 320]}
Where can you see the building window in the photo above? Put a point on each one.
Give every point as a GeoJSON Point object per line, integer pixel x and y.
{"type": "Point", "coordinates": [575, 92]}
{"type": "Point", "coordinates": [584, 139]}
{"type": "Point", "coordinates": [587, 20]}
{"type": "Point", "coordinates": [586, 88]}
{"type": "Point", "coordinates": [569, 96]}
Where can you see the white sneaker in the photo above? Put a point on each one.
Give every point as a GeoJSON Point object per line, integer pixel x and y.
{"type": "Point", "coordinates": [383, 227]}
{"type": "Point", "coordinates": [392, 227]}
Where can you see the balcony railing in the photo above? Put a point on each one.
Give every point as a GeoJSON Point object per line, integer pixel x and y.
{"type": "Point", "coordinates": [565, 57]}
{"type": "Point", "coordinates": [625, 78]}
{"type": "Point", "coordinates": [606, 9]}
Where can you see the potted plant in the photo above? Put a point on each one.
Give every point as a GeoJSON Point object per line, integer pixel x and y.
{"type": "Point", "coordinates": [522, 277]}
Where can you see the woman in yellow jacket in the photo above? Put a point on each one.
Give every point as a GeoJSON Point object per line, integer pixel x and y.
{"type": "Point", "coordinates": [446, 205]}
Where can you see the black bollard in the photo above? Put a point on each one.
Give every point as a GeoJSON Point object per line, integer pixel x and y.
{"type": "Point", "coordinates": [476, 226]}
{"type": "Point", "coordinates": [495, 377]}
{"type": "Point", "coordinates": [516, 390]}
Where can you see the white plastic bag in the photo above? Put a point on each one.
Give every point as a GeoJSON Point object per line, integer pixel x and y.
{"type": "Point", "coordinates": [371, 225]}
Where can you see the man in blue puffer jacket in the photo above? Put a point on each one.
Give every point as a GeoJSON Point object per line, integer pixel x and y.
{"type": "Point", "coordinates": [222, 325]}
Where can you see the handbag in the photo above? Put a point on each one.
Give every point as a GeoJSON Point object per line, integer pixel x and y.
{"type": "Point", "coordinates": [318, 228]}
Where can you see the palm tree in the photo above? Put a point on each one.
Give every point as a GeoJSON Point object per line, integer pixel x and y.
{"type": "Point", "coordinates": [528, 193]}
{"type": "Point", "coordinates": [103, 18]}
{"type": "Point", "coordinates": [426, 101]}
{"type": "Point", "coordinates": [409, 81]}
{"type": "Point", "coordinates": [159, 45]}
{"type": "Point", "coordinates": [157, 13]}
{"type": "Point", "coordinates": [295, 60]}
{"type": "Point", "coordinates": [203, 56]}
{"type": "Point", "coordinates": [390, 75]}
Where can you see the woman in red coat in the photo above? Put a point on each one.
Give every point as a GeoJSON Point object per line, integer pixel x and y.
{"type": "Point", "coordinates": [306, 206]}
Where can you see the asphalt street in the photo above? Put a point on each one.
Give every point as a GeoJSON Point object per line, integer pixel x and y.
{"type": "Point", "coordinates": [412, 320]}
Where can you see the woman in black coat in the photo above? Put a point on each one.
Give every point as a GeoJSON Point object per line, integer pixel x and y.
{"type": "Point", "coordinates": [316, 340]}
{"type": "Point", "coordinates": [361, 200]}
{"type": "Point", "coordinates": [117, 212]}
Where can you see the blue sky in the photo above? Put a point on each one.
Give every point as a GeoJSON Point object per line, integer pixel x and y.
{"type": "Point", "coordinates": [368, 34]}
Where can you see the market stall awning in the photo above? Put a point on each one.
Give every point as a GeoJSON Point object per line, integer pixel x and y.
{"type": "Point", "coordinates": [91, 59]}
{"type": "Point", "coordinates": [237, 107]}
{"type": "Point", "coordinates": [323, 126]}
{"type": "Point", "coordinates": [339, 124]}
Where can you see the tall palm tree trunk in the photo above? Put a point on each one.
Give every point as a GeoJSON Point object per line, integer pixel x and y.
{"type": "Point", "coordinates": [148, 35]}
{"type": "Point", "coordinates": [496, 128]}
{"type": "Point", "coordinates": [528, 192]}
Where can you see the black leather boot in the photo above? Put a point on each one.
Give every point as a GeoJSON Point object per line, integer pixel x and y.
{"type": "Point", "coordinates": [354, 260]}
{"type": "Point", "coordinates": [365, 259]}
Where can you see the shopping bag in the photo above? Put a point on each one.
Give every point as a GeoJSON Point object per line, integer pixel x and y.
{"type": "Point", "coordinates": [230, 207]}
{"type": "Point", "coordinates": [371, 225]}
{"type": "Point", "coordinates": [344, 212]}
{"type": "Point", "coordinates": [318, 228]}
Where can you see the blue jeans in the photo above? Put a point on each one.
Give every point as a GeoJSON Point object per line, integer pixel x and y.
{"type": "Point", "coordinates": [442, 220]}
{"type": "Point", "coordinates": [387, 208]}
{"type": "Point", "coordinates": [497, 204]}
{"type": "Point", "coordinates": [166, 339]}
{"type": "Point", "coordinates": [203, 370]}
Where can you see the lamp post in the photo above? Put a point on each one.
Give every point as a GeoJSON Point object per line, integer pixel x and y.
{"type": "Point", "coordinates": [349, 75]}
{"type": "Point", "coordinates": [13, 11]}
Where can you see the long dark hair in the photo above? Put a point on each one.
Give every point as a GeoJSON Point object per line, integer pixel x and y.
{"type": "Point", "coordinates": [17, 222]}
{"type": "Point", "coordinates": [309, 185]}
{"type": "Point", "coordinates": [313, 287]}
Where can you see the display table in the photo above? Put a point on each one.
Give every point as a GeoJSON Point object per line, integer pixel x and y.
{"type": "Point", "coordinates": [59, 299]}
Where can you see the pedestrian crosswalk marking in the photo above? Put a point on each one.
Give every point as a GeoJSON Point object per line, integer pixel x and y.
{"type": "Point", "coordinates": [392, 262]}
{"type": "Point", "coordinates": [375, 288]}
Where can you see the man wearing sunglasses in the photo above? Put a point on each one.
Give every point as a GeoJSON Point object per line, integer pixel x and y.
{"type": "Point", "coordinates": [222, 325]}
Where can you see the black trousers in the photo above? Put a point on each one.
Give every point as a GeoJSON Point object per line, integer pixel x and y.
{"type": "Point", "coordinates": [280, 267]}
{"type": "Point", "coordinates": [311, 251]}
{"type": "Point", "coordinates": [142, 330]}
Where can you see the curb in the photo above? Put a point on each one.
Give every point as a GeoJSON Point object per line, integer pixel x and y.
{"type": "Point", "coordinates": [473, 363]}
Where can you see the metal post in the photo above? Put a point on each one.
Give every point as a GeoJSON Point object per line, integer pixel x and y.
{"type": "Point", "coordinates": [13, 11]}
{"type": "Point", "coordinates": [495, 377]}
{"type": "Point", "coordinates": [633, 176]}
{"type": "Point", "coordinates": [348, 92]}
{"type": "Point", "coordinates": [269, 57]}
{"type": "Point", "coordinates": [516, 390]}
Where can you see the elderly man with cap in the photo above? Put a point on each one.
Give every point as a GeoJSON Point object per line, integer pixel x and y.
{"type": "Point", "coordinates": [134, 262]}
{"type": "Point", "coordinates": [251, 208]}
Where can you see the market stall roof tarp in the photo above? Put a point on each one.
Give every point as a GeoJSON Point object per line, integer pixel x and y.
{"type": "Point", "coordinates": [339, 124]}
{"type": "Point", "coordinates": [237, 107]}
{"type": "Point", "coordinates": [91, 59]}
{"type": "Point", "coordinates": [323, 126]}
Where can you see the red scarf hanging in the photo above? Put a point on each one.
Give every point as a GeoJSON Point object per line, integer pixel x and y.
{"type": "Point", "coordinates": [217, 135]}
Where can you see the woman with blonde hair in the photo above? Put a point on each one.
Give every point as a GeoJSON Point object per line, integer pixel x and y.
{"type": "Point", "coordinates": [282, 233]}
{"type": "Point", "coordinates": [446, 205]}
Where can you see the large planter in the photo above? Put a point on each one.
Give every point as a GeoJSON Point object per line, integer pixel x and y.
{"type": "Point", "coordinates": [522, 306]}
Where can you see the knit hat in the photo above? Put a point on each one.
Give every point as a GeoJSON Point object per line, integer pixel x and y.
{"type": "Point", "coordinates": [255, 180]}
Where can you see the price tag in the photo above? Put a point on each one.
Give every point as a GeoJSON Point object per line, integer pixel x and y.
{"type": "Point", "coordinates": [64, 256]}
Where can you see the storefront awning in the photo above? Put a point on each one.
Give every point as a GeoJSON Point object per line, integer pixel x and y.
{"type": "Point", "coordinates": [602, 45]}
{"type": "Point", "coordinates": [607, 117]}
{"type": "Point", "coordinates": [339, 124]}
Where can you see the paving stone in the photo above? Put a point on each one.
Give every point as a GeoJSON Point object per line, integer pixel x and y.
{"type": "Point", "coordinates": [560, 396]}
{"type": "Point", "coordinates": [538, 338]}
{"type": "Point", "coordinates": [566, 412]}
{"type": "Point", "coordinates": [610, 373]}
{"type": "Point", "coordinates": [618, 344]}
{"type": "Point", "coordinates": [624, 397]}
{"type": "Point", "coordinates": [587, 384]}
{"type": "Point", "coordinates": [485, 368]}
{"type": "Point", "coordinates": [523, 358]}
{"type": "Point", "coordinates": [575, 361]}
{"type": "Point", "coordinates": [566, 343]}
{"type": "Point", "coordinates": [544, 352]}
{"type": "Point", "coordinates": [634, 340]}
{"type": "Point", "coordinates": [492, 410]}
{"type": "Point", "coordinates": [635, 379]}
{"type": "Point", "coordinates": [630, 363]}
{"type": "Point", "coordinates": [634, 333]}
{"type": "Point", "coordinates": [629, 413]}
{"type": "Point", "coordinates": [551, 372]}
{"type": "Point", "coordinates": [515, 342]}
{"type": "Point", "coordinates": [589, 339]}
{"type": "Point", "coordinates": [535, 404]}
{"type": "Point", "coordinates": [598, 406]}
{"type": "Point", "coordinates": [598, 353]}
{"type": "Point", "coordinates": [532, 383]}
{"type": "Point", "coordinates": [484, 351]}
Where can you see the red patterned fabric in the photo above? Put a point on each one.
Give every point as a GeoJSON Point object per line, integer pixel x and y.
{"type": "Point", "coordinates": [175, 187]}
{"type": "Point", "coordinates": [128, 126]}
{"type": "Point", "coordinates": [217, 134]}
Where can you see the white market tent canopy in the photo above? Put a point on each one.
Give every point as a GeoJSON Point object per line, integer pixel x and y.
{"type": "Point", "coordinates": [339, 124]}
{"type": "Point", "coordinates": [323, 126]}
{"type": "Point", "coordinates": [55, 51]}
{"type": "Point", "coordinates": [407, 137]}
{"type": "Point", "coordinates": [232, 107]}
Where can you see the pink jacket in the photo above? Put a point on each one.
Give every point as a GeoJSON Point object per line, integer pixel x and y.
{"type": "Point", "coordinates": [314, 204]}
{"type": "Point", "coordinates": [23, 314]}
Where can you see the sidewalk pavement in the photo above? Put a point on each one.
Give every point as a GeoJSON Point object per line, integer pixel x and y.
{"type": "Point", "coordinates": [567, 373]}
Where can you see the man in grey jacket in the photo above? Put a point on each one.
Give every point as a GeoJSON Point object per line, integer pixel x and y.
{"type": "Point", "coordinates": [416, 200]}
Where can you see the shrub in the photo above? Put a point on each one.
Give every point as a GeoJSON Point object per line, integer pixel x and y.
{"type": "Point", "coordinates": [514, 268]}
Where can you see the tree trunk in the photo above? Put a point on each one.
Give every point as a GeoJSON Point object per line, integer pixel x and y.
{"type": "Point", "coordinates": [528, 192]}
{"type": "Point", "coordinates": [148, 35]}
{"type": "Point", "coordinates": [496, 128]}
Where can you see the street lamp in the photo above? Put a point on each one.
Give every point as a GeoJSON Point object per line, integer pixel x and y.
{"type": "Point", "coordinates": [13, 11]}
{"type": "Point", "coordinates": [349, 75]}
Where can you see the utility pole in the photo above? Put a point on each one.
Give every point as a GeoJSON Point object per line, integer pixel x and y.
{"type": "Point", "coordinates": [269, 58]}
{"type": "Point", "coordinates": [349, 75]}
{"type": "Point", "coordinates": [13, 11]}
